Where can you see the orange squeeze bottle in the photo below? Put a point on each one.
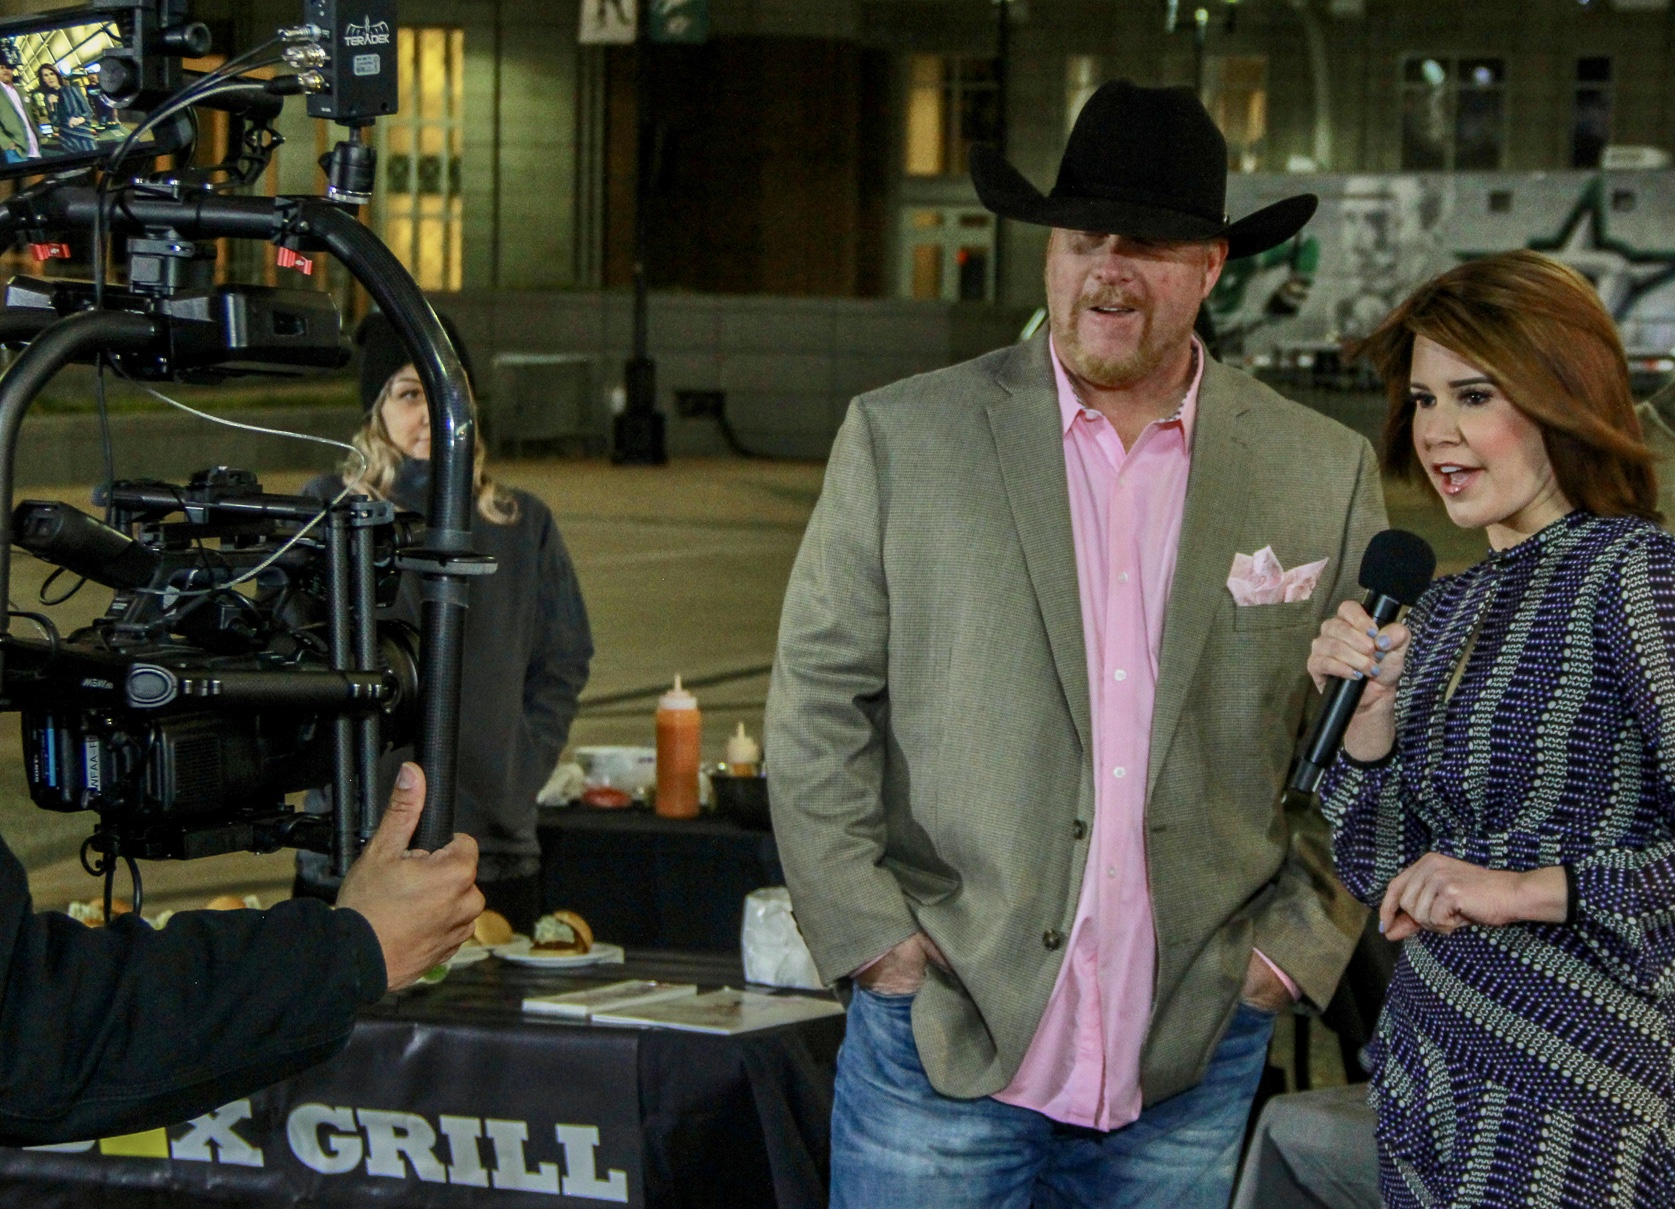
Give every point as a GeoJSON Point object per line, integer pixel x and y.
{"type": "Point", "coordinates": [679, 725]}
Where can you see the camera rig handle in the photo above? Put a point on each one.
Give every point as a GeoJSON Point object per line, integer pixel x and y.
{"type": "Point", "coordinates": [303, 223]}
{"type": "Point", "coordinates": [55, 347]}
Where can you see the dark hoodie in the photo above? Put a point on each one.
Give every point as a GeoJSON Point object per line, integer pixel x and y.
{"type": "Point", "coordinates": [527, 649]}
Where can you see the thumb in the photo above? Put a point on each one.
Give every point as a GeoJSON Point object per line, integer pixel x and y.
{"type": "Point", "coordinates": [401, 817]}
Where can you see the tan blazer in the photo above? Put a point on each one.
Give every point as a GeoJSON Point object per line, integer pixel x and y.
{"type": "Point", "coordinates": [14, 126]}
{"type": "Point", "coordinates": [928, 731]}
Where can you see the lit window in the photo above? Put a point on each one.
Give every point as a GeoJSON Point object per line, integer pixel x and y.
{"type": "Point", "coordinates": [1236, 94]}
{"type": "Point", "coordinates": [925, 150]}
{"type": "Point", "coordinates": [948, 254]}
{"type": "Point", "coordinates": [951, 103]}
{"type": "Point", "coordinates": [419, 202]}
{"type": "Point", "coordinates": [1081, 81]}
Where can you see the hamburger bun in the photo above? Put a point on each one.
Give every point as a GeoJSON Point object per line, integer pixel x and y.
{"type": "Point", "coordinates": [562, 934]}
{"type": "Point", "coordinates": [491, 929]}
{"type": "Point", "coordinates": [92, 912]}
{"type": "Point", "coordinates": [225, 902]}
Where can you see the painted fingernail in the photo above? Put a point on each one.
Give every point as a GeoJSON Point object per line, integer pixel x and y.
{"type": "Point", "coordinates": [1378, 656]}
{"type": "Point", "coordinates": [1372, 632]}
{"type": "Point", "coordinates": [1381, 927]}
{"type": "Point", "coordinates": [1384, 642]}
{"type": "Point", "coordinates": [1356, 676]}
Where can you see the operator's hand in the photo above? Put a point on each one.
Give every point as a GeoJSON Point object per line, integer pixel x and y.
{"type": "Point", "coordinates": [422, 905]}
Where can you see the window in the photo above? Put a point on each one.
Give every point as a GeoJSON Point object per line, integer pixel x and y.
{"type": "Point", "coordinates": [420, 209]}
{"type": "Point", "coordinates": [951, 103]}
{"type": "Point", "coordinates": [1081, 81]}
{"type": "Point", "coordinates": [1236, 94]}
{"type": "Point", "coordinates": [1590, 112]}
{"type": "Point", "coordinates": [948, 254]}
{"type": "Point", "coordinates": [1453, 113]}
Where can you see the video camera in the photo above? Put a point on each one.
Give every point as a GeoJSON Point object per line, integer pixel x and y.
{"type": "Point", "coordinates": [242, 657]}
{"type": "Point", "coordinates": [187, 711]}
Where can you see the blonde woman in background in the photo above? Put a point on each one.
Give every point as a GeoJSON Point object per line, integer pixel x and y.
{"type": "Point", "coordinates": [527, 642]}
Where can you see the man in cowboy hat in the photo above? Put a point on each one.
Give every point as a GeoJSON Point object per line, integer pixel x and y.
{"type": "Point", "coordinates": [1026, 749]}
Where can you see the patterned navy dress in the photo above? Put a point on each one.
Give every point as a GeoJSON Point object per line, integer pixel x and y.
{"type": "Point", "coordinates": [1531, 1065]}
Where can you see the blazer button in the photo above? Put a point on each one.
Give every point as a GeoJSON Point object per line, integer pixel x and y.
{"type": "Point", "coordinates": [1079, 829]}
{"type": "Point", "coordinates": [1052, 938]}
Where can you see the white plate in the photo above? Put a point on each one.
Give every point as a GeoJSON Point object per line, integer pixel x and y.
{"type": "Point", "coordinates": [469, 955]}
{"type": "Point", "coordinates": [601, 954]}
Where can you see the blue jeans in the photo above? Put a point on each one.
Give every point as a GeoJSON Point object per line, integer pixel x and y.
{"type": "Point", "coordinates": [897, 1142]}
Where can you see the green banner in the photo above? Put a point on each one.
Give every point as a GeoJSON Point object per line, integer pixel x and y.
{"type": "Point", "coordinates": [679, 20]}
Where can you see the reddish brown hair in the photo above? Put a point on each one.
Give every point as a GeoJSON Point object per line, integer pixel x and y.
{"type": "Point", "coordinates": [1539, 330]}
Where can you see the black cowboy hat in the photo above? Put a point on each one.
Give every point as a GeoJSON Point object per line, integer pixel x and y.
{"type": "Point", "coordinates": [1146, 162]}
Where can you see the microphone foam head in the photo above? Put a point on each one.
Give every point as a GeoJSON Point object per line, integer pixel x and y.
{"type": "Point", "coordinates": [1398, 564]}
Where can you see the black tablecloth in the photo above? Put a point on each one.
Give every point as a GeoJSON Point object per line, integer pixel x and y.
{"type": "Point", "coordinates": [566, 1115]}
{"type": "Point", "coordinates": [653, 882]}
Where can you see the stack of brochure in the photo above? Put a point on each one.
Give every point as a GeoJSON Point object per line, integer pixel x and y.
{"type": "Point", "coordinates": [612, 997]}
{"type": "Point", "coordinates": [725, 1012]}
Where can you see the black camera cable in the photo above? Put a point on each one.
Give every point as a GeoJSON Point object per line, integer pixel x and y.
{"type": "Point", "coordinates": [296, 537]}
{"type": "Point", "coordinates": [42, 622]}
{"type": "Point", "coordinates": [105, 867]}
{"type": "Point", "coordinates": [52, 579]}
{"type": "Point", "coordinates": [190, 95]}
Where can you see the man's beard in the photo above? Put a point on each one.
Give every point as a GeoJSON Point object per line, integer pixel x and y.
{"type": "Point", "coordinates": [1111, 373]}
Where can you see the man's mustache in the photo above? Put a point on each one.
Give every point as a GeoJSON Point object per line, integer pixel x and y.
{"type": "Point", "coordinates": [1088, 302]}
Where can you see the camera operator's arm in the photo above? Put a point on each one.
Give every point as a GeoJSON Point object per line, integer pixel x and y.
{"type": "Point", "coordinates": [562, 650]}
{"type": "Point", "coordinates": [112, 1030]}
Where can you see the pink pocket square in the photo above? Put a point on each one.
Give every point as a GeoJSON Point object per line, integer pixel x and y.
{"type": "Point", "coordinates": [1258, 579]}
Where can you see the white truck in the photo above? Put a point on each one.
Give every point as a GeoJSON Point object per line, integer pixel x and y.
{"type": "Point", "coordinates": [1295, 310]}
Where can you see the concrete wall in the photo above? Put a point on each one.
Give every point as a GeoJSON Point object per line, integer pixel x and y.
{"type": "Point", "coordinates": [56, 450]}
{"type": "Point", "coordinates": [789, 366]}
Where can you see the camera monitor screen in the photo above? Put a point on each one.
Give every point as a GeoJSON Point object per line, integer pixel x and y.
{"type": "Point", "coordinates": [52, 112]}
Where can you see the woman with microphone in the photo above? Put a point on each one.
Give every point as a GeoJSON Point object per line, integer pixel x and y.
{"type": "Point", "coordinates": [1506, 794]}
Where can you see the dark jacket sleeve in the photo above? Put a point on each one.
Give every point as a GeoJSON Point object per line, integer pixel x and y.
{"type": "Point", "coordinates": [324, 488]}
{"type": "Point", "coordinates": [562, 648]}
{"type": "Point", "coordinates": [106, 1031]}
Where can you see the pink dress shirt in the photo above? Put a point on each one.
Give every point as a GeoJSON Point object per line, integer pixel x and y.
{"type": "Point", "coordinates": [1083, 1067]}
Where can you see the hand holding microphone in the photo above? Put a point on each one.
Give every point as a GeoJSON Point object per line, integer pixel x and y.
{"type": "Point", "coordinates": [1352, 647]}
{"type": "Point", "coordinates": [1357, 658]}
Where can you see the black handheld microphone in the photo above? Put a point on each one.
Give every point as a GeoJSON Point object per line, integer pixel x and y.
{"type": "Point", "coordinates": [1396, 568]}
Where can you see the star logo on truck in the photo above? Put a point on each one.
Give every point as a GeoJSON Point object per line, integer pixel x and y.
{"type": "Point", "coordinates": [1623, 274]}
